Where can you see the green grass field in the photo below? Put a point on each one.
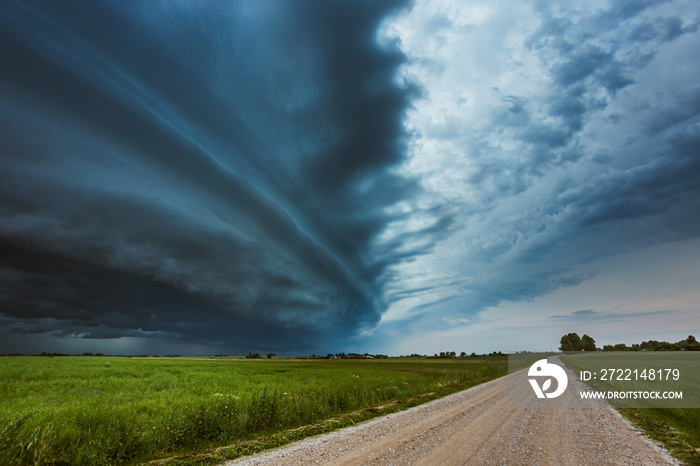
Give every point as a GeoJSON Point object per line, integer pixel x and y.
{"type": "Point", "coordinates": [102, 410]}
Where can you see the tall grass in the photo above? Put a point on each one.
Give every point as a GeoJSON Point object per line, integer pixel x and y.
{"type": "Point", "coordinates": [100, 411]}
{"type": "Point", "coordinates": [677, 429]}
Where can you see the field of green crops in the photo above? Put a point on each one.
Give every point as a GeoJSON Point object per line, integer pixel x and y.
{"type": "Point", "coordinates": [104, 410]}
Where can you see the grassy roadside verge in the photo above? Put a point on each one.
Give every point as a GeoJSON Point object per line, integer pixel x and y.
{"type": "Point", "coordinates": [106, 411]}
{"type": "Point", "coordinates": [257, 444]}
{"type": "Point", "coordinates": [677, 430]}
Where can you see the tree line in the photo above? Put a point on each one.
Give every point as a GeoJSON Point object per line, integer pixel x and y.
{"type": "Point", "coordinates": [689, 344]}
{"type": "Point", "coordinates": [572, 342]}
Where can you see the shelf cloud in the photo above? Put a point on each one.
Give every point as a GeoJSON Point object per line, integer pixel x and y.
{"type": "Point", "coordinates": [324, 176]}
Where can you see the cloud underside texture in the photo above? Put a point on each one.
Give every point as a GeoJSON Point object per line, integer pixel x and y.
{"type": "Point", "coordinates": [554, 134]}
{"type": "Point", "coordinates": [213, 174]}
{"type": "Point", "coordinates": [258, 174]}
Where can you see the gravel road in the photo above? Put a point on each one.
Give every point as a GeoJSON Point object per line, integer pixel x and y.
{"type": "Point", "coordinates": [476, 426]}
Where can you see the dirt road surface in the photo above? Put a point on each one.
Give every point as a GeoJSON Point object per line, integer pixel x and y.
{"type": "Point", "coordinates": [478, 427]}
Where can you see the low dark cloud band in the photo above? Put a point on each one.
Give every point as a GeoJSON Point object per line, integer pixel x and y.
{"type": "Point", "coordinates": [210, 174]}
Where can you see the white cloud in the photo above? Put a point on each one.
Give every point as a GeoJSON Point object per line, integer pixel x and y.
{"type": "Point", "coordinates": [533, 137]}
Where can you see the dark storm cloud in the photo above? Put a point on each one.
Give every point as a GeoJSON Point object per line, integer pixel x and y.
{"type": "Point", "coordinates": [646, 189]}
{"type": "Point", "coordinates": [620, 11]}
{"type": "Point", "coordinates": [582, 143]}
{"type": "Point", "coordinates": [665, 188]}
{"type": "Point", "coordinates": [586, 75]}
{"type": "Point", "coordinates": [580, 65]}
{"type": "Point", "coordinates": [210, 173]}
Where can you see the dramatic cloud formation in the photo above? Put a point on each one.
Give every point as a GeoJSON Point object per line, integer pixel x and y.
{"type": "Point", "coordinates": [317, 176]}
{"type": "Point", "coordinates": [557, 136]}
{"type": "Point", "coordinates": [209, 173]}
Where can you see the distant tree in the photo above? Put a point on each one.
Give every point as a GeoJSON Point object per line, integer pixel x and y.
{"type": "Point", "coordinates": [621, 347]}
{"type": "Point", "coordinates": [571, 342]}
{"type": "Point", "coordinates": [462, 354]}
{"type": "Point", "coordinates": [689, 344]}
{"type": "Point", "coordinates": [587, 343]}
{"type": "Point", "coordinates": [270, 355]}
{"type": "Point", "coordinates": [664, 346]}
{"type": "Point", "coordinates": [650, 345]}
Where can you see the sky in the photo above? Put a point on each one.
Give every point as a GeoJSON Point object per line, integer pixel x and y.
{"type": "Point", "coordinates": [347, 176]}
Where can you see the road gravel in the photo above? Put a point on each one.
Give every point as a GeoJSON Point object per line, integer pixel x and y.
{"type": "Point", "coordinates": [477, 426]}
